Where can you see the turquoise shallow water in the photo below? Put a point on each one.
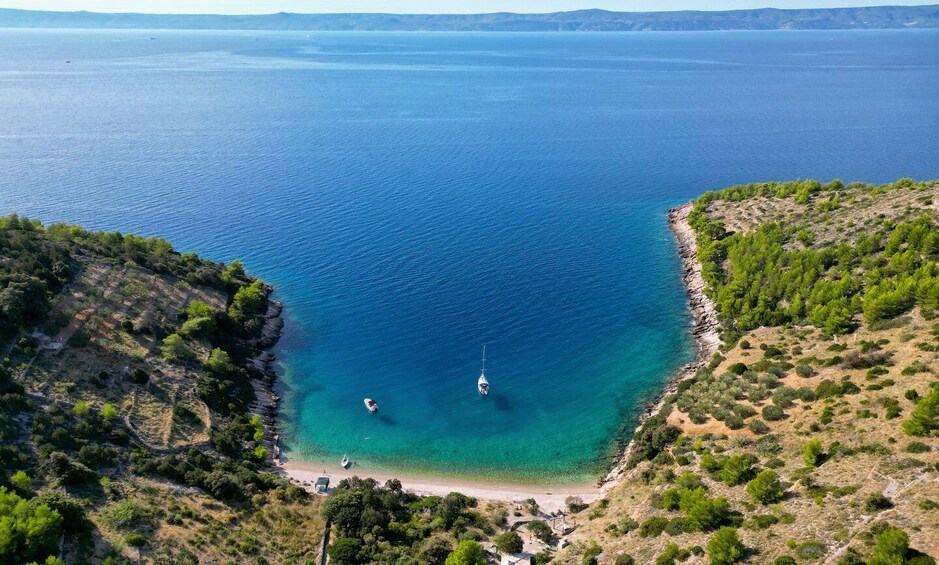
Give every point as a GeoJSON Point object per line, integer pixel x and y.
{"type": "Point", "coordinates": [416, 196]}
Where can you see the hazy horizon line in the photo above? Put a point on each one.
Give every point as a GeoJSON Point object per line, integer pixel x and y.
{"type": "Point", "coordinates": [511, 12]}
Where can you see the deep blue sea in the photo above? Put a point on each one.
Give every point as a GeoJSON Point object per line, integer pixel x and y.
{"type": "Point", "coordinates": [415, 196]}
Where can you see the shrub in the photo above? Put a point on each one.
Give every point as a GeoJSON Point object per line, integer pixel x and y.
{"type": "Point", "coordinates": [831, 389]}
{"type": "Point", "coordinates": [928, 504]}
{"type": "Point", "coordinates": [765, 488]}
{"type": "Point", "coordinates": [139, 376]}
{"type": "Point", "coordinates": [733, 421]}
{"type": "Point", "coordinates": [812, 549]}
{"type": "Point", "coordinates": [737, 469]}
{"type": "Point", "coordinates": [891, 546]}
{"type": "Point", "coordinates": [542, 557]}
{"type": "Point", "coordinates": [197, 309]}
{"type": "Point", "coordinates": [772, 413]}
{"type": "Point", "coordinates": [709, 514]}
{"type": "Point", "coordinates": [94, 455]}
{"type": "Point", "coordinates": [725, 547]}
{"type": "Point", "coordinates": [805, 371]}
{"type": "Point", "coordinates": [541, 530]}
{"type": "Point", "coordinates": [346, 551]}
{"type": "Point", "coordinates": [805, 394]}
{"type": "Point", "coordinates": [248, 304]}
{"type": "Point", "coordinates": [768, 381]}
{"type": "Point", "coordinates": [195, 327]}
{"type": "Point", "coordinates": [891, 411]}
{"type": "Point", "coordinates": [509, 542]}
{"type": "Point", "coordinates": [925, 416]}
{"type": "Point", "coordinates": [31, 530]}
{"type": "Point", "coordinates": [917, 447]}
{"type": "Point", "coordinates": [653, 527]}
{"type": "Point", "coordinates": [434, 550]}
{"type": "Point", "coordinates": [784, 396]}
{"type": "Point", "coordinates": [468, 552]}
{"type": "Point", "coordinates": [174, 349]}
{"type": "Point", "coordinates": [125, 515]}
{"type": "Point", "coordinates": [877, 502]}
{"type": "Point", "coordinates": [591, 553]}
{"type": "Point", "coordinates": [916, 367]}
{"type": "Point", "coordinates": [812, 453]}
{"type": "Point", "coordinates": [763, 521]}
{"type": "Point", "coordinates": [80, 408]}
{"type": "Point", "coordinates": [677, 526]}
{"type": "Point", "coordinates": [135, 540]}
{"type": "Point", "coordinates": [784, 560]}
{"type": "Point", "coordinates": [758, 426]}
{"type": "Point", "coordinates": [672, 554]}
{"type": "Point", "coordinates": [625, 559]}
{"type": "Point", "coordinates": [710, 463]}
{"type": "Point", "coordinates": [627, 525]}
{"type": "Point", "coordinates": [574, 504]}
{"type": "Point", "coordinates": [60, 466]}
{"type": "Point", "coordinates": [653, 437]}
{"type": "Point", "coordinates": [79, 339]}
{"type": "Point", "coordinates": [768, 445]}
{"type": "Point", "coordinates": [21, 481]}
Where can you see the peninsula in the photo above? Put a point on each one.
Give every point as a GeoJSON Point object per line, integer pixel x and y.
{"type": "Point", "coordinates": [810, 435]}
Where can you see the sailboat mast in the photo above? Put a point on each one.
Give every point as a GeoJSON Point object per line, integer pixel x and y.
{"type": "Point", "coordinates": [484, 359]}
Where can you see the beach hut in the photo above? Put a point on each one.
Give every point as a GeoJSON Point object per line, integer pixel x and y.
{"type": "Point", "coordinates": [321, 486]}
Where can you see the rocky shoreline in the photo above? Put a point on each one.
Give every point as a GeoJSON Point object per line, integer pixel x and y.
{"type": "Point", "coordinates": [264, 375]}
{"type": "Point", "coordinates": [705, 330]}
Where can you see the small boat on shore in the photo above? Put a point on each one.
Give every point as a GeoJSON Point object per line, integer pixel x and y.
{"type": "Point", "coordinates": [345, 462]}
{"type": "Point", "coordinates": [371, 405]}
{"type": "Point", "coordinates": [483, 383]}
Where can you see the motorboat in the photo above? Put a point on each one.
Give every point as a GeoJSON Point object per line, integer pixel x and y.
{"type": "Point", "coordinates": [371, 405]}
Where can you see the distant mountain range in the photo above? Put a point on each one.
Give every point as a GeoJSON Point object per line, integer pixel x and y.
{"type": "Point", "coordinates": [879, 17]}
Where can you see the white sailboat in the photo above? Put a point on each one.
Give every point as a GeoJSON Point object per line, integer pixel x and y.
{"type": "Point", "coordinates": [483, 384]}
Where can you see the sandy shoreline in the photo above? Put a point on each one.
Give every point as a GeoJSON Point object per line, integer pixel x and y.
{"type": "Point", "coordinates": [551, 497]}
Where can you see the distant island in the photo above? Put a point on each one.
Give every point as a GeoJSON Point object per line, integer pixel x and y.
{"type": "Point", "coordinates": [878, 17]}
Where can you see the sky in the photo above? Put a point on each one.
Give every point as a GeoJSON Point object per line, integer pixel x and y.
{"type": "Point", "coordinates": [420, 6]}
